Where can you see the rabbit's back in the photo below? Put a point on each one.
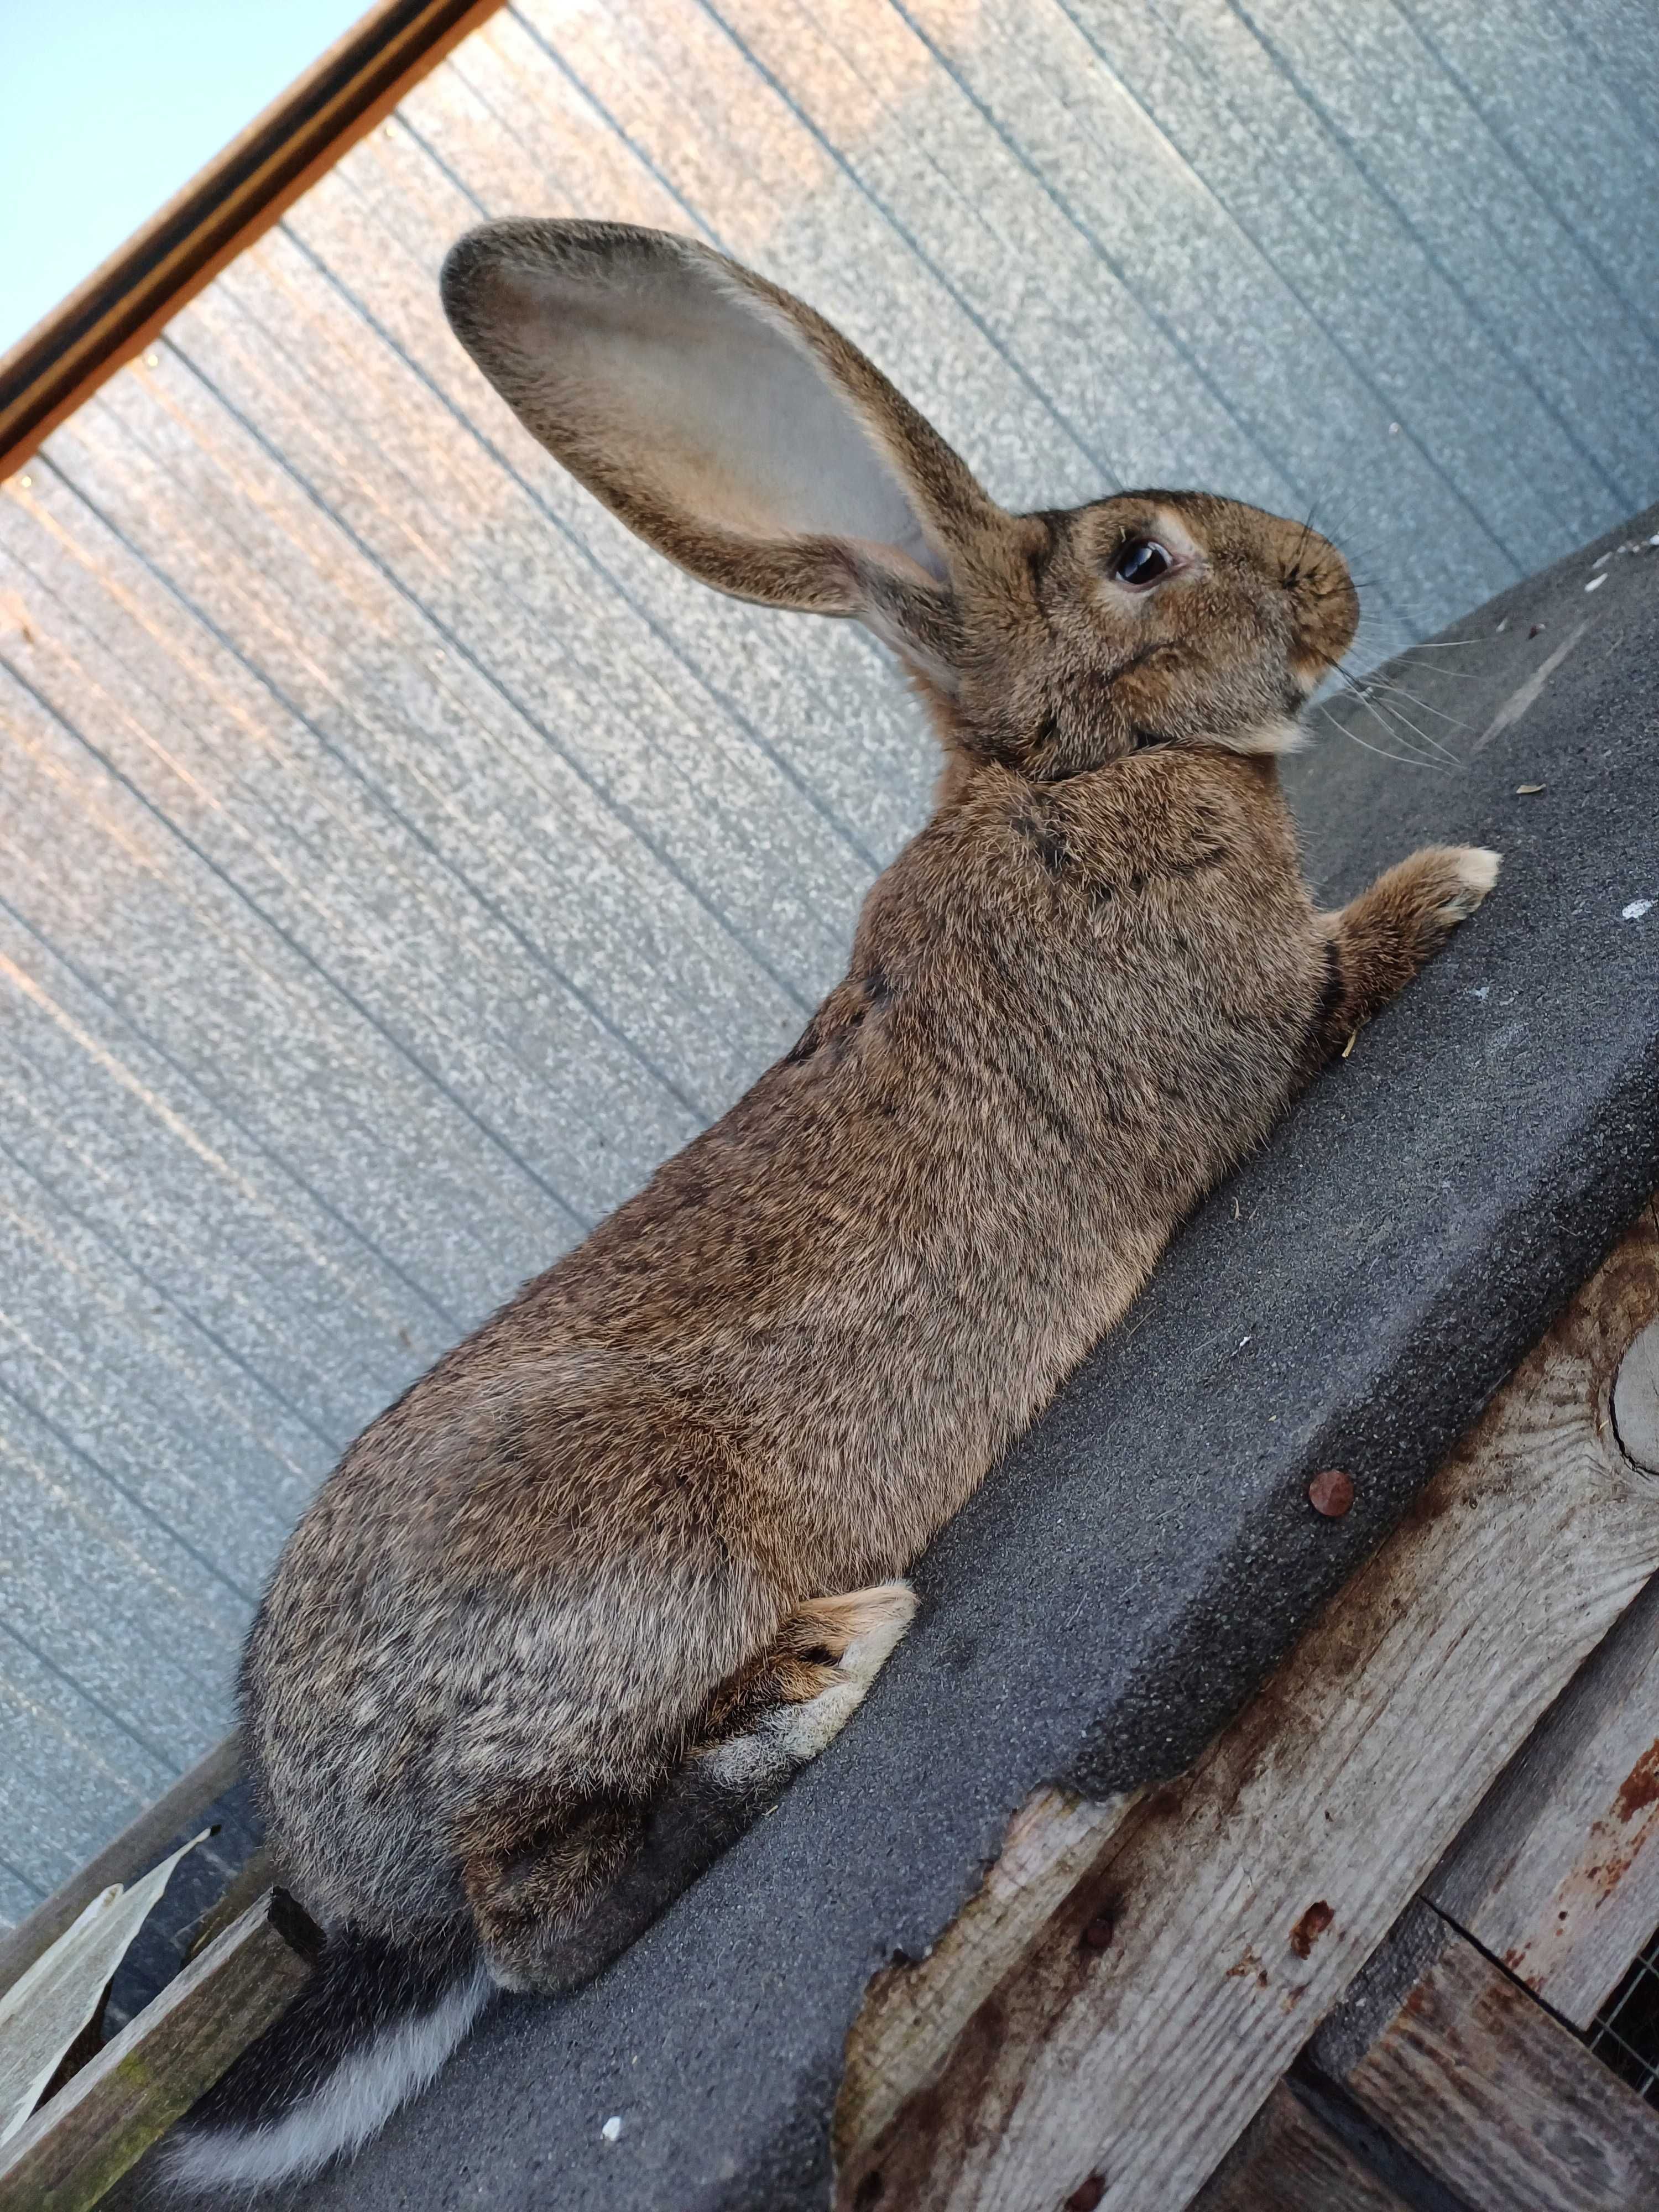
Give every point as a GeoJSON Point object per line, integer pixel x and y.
{"type": "Point", "coordinates": [784, 1364]}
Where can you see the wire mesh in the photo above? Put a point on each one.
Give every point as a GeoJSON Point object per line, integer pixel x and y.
{"type": "Point", "coordinates": [1624, 2033]}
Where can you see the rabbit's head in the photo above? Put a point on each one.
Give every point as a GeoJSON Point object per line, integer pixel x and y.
{"type": "Point", "coordinates": [741, 434]}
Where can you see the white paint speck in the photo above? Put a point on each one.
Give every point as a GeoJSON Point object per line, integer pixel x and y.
{"type": "Point", "coordinates": [1654, 540]}
{"type": "Point", "coordinates": [1242, 1342]}
{"type": "Point", "coordinates": [1394, 429]}
{"type": "Point", "coordinates": [612, 2128]}
{"type": "Point", "coordinates": [1479, 990]}
{"type": "Point", "coordinates": [1601, 561]}
{"type": "Point", "coordinates": [1596, 582]}
{"type": "Point", "coordinates": [1635, 909]}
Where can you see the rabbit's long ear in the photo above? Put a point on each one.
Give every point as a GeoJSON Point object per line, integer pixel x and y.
{"type": "Point", "coordinates": [723, 421]}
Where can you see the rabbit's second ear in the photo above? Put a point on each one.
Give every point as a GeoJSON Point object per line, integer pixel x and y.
{"type": "Point", "coordinates": [723, 421]}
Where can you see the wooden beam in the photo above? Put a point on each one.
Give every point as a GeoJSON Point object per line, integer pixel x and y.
{"type": "Point", "coordinates": [1636, 1400]}
{"type": "Point", "coordinates": [912, 2015]}
{"type": "Point", "coordinates": [1286, 2160]}
{"type": "Point", "coordinates": [79, 2144]}
{"type": "Point", "coordinates": [1500, 2101]}
{"type": "Point", "coordinates": [1137, 2030]}
{"type": "Point", "coordinates": [122, 306]}
{"type": "Point", "coordinates": [1558, 1874]}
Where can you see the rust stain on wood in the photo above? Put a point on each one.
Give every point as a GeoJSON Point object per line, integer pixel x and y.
{"type": "Point", "coordinates": [1012, 2102]}
{"type": "Point", "coordinates": [1310, 1927]}
{"type": "Point", "coordinates": [1640, 1788]}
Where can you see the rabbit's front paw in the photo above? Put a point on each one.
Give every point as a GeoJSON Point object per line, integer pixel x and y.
{"type": "Point", "coordinates": [1473, 869]}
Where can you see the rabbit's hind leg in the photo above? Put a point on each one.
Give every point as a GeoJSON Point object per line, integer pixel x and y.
{"type": "Point", "coordinates": [532, 1878]}
{"type": "Point", "coordinates": [556, 1903]}
{"type": "Point", "coordinates": [785, 1707]}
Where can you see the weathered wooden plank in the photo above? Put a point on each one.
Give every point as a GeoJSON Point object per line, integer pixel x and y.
{"type": "Point", "coordinates": [1501, 2102]}
{"type": "Point", "coordinates": [49, 2017]}
{"type": "Point", "coordinates": [911, 2016]}
{"type": "Point", "coordinates": [1636, 1400]}
{"type": "Point", "coordinates": [1147, 2020]}
{"type": "Point", "coordinates": [1287, 2161]}
{"type": "Point", "coordinates": [1557, 1873]}
{"type": "Point", "coordinates": [105, 2116]}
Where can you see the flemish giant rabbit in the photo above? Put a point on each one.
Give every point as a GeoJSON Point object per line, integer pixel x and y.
{"type": "Point", "coordinates": [597, 1584]}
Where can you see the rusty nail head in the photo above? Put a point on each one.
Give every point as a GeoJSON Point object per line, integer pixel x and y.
{"type": "Point", "coordinates": [1332, 1492]}
{"type": "Point", "coordinates": [1097, 1932]}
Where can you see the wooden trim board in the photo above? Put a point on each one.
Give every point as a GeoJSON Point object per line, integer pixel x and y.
{"type": "Point", "coordinates": [1145, 2013]}
{"type": "Point", "coordinates": [122, 306]}
{"type": "Point", "coordinates": [1286, 2160]}
{"type": "Point", "coordinates": [1558, 1874]}
{"type": "Point", "coordinates": [84, 2139]}
{"type": "Point", "coordinates": [1500, 2101]}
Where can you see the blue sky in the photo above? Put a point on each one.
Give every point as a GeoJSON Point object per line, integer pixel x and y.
{"type": "Point", "coordinates": [110, 106]}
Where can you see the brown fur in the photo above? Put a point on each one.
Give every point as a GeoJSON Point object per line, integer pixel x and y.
{"type": "Point", "coordinates": [608, 1534]}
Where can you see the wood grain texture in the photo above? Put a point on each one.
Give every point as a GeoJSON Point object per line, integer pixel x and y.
{"type": "Point", "coordinates": [1504, 2104]}
{"type": "Point", "coordinates": [1286, 2160]}
{"type": "Point", "coordinates": [105, 2116]}
{"type": "Point", "coordinates": [1244, 1898]}
{"type": "Point", "coordinates": [1558, 1874]}
{"type": "Point", "coordinates": [1636, 1400]}
{"type": "Point", "coordinates": [912, 2015]}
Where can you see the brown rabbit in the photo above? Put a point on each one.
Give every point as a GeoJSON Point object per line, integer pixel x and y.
{"type": "Point", "coordinates": [583, 1598]}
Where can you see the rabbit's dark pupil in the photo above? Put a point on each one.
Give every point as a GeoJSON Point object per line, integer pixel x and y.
{"type": "Point", "coordinates": [1142, 560]}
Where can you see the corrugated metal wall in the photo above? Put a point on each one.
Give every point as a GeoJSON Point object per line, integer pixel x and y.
{"type": "Point", "coordinates": [398, 861]}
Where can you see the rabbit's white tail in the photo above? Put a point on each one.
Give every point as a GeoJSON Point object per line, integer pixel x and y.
{"type": "Point", "coordinates": [367, 2032]}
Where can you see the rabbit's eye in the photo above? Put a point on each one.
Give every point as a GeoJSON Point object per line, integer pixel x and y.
{"type": "Point", "coordinates": [1141, 562]}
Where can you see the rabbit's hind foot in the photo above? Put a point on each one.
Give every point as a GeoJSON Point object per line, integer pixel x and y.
{"type": "Point", "coordinates": [784, 1710]}
{"type": "Point", "coordinates": [555, 1901]}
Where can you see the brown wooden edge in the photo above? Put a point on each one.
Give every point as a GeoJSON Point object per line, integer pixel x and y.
{"type": "Point", "coordinates": [132, 1853]}
{"type": "Point", "coordinates": [1019, 2013]}
{"type": "Point", "coordinates": [81, 2143]}
{"type": "Point", "coordinates": [1488, 2090]}
{"type": "Point", "coordinates": [123, 305]}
